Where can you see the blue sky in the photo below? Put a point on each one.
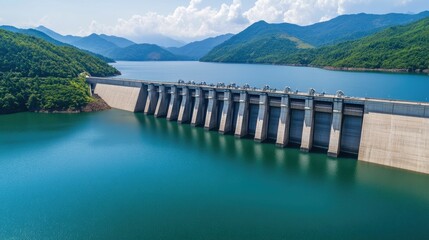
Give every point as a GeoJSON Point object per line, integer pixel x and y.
{"type": "Point", "coordinates": [184, 19]}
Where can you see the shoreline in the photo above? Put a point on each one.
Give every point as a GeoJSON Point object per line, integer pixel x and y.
{"type": "Point", "coordinates": [330, 68]}
{"type": "Point", "coordinates": [97, 105]}
{"type": "Point", "coordinates": [383, 70]}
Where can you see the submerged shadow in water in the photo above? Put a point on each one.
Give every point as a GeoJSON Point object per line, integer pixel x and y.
{"type": "Point", "coordinates": [289, 160]}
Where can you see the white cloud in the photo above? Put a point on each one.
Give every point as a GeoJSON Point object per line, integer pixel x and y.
{"type": "Point", "coordinates": [195, 22]}
{"type": "Point", "coordinates": [301, 12]}
{"type": "Point", "coordinates": [185, 22]}
{"type": "Point", "coordinates": [43, 21]}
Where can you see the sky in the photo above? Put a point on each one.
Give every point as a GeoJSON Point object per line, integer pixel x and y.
{"type": "Point", "coordinates": [184, 20]}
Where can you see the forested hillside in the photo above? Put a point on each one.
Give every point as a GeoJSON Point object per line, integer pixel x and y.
{"type": "Point", "coordinates": [402, 47]}
{"type": "Point", "coordinates": [39, 76]}
{"type": "Point", "coordinates": [264, 49]}
{"type": "Point", "coordinates": [348, 41]}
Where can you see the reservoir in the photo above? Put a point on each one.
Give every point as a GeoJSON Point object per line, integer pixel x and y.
{"type": "Point", "coordinates": [398, 86]}
{"type": "Point", "coordinates": [121, 175]}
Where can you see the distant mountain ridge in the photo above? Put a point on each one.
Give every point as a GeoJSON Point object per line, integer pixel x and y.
{"type": "Point", "coordinates": [65, 39]}
{"type": "Point", "coordinates": [41, 35]}
{"type": "Point", "coordinates": [118, 41]}
{"type": "Point", "coordinates": [196, 50]}
{"type": "Point", "coordinates": [349, 27]}
{"type": "Point", "coordinates": [119, 48]}
{"type": "Point", "coordinates": [95, 43]}
{"type": "Point", "coordinates": [34, 33]}
{"type": "Point", "coordinates": [399, 48]}
{"type": "Point", "coordinates": [143, 52]}
{"type": "Point", "coordinates": [160, 40]}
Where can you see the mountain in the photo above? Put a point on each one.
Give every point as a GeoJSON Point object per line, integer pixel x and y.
{"type": "Point", "coordinates": [65, 39]}
{"type": "Point", "coordinates": [351, 27]}
{"type": "Point", "coordinates": [41, 35]}
{"type": "Point", "coordinates": [118, 41]}
{"type": "Point", "coordinates": [36, 75]}
{"type": "Point", "coordinates": [258, 43]}
{"type": "Point", "coordinates": [264, 49]}
{"type": "Point", "coordinates": [340, 29]}
{"type": "Point", "coordinates": [401, 47]}
{"type": "Point", "coordinates": [198, 49]}
{"type": "Point", "coordinates": [34, 33]}
{"type": "Point", "coordinates": [118, 48]}
{"type": "Point", "coordinates": [159, 40]}
{"type": "Point", "coordinates": [95, 43]}
{"type": "Point", "coordinates": [143, 52]}
{"type": "Point", "coordinates": [32, 57]}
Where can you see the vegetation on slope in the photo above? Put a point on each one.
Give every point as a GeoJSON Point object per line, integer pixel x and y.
{"type": "Point", "coordinates": [397, 48]}
{"type": "Point", "coordinates": [38, 76]}
{"type": "Point", "coordinates": [265, 49]}
{"type": "Point", "coordinates": [401, 47]}
{"type": "Point", "coordinates": [281, 51]}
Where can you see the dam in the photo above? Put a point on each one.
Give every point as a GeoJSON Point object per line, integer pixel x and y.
{"type": "Point", "coordinates": [386, 132]}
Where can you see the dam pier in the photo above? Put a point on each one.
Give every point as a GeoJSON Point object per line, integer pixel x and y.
{"type": "Point", "coordinates": [386, 132]}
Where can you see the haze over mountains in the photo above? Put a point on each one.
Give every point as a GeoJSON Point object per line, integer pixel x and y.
{"type": "Point", "coordinates": [265, 43]}
{"type": "Point", "coordinates": [123, 49]}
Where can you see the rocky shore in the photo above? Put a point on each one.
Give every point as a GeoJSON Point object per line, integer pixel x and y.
{"type": "Point", "coordinates": [97, 105]}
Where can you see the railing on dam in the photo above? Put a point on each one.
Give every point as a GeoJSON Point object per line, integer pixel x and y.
{"type": "Point", "coordinates": [394, 133]}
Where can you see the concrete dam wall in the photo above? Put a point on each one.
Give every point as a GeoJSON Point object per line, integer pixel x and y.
{"type": "Point", "coordinates": [390, 133]}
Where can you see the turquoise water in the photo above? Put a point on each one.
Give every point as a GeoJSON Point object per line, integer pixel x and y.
{"type": "Point", "coordinates": [119, 175]}
{"type": "Point", "coordinates": [412, 87]}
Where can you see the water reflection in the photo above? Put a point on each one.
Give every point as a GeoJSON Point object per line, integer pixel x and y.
{"type": "Point", "coordinates": [227, 147]}
{"type": "Point", "coordinates": [289, 161]}
{"type": "Point", "coordinates": [141, 177]}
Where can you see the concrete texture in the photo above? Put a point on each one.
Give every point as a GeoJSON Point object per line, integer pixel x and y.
{"type": "Point", "coordinates": [162, 105]}
{"type": "Point", "coordinates": [120, 97]}
{"type": "Point", "coordinates": [152, 100]}
{"type": "Point", "coordinates": [173, 106]}
{"type": "Point", "coordinates": [226, 118]}
{"type": "Point", "coordinates": [284, 123]}
{"type": "Point", "coordinates": [335, 138]}
{"type": "Point", "coordinates": [198, 111]}
{"type": "Point", "coordinates": [211, 115]}
{"type": "Point", "coordinates": [396, 141]}
{"type": "Point", "coordinates": [262, 121]}
{"type": "Point", "coordinates": [243, 116]}
{"type": "Point", "coordinates": [307, 131]}
{"type": "Point", "coordinates": [185, 106]}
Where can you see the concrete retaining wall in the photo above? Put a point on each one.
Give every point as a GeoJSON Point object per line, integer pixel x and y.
{"type": "Point", "coordinates": [396, 135]}
{"type": "Point", "coordinates": [121, 97]}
